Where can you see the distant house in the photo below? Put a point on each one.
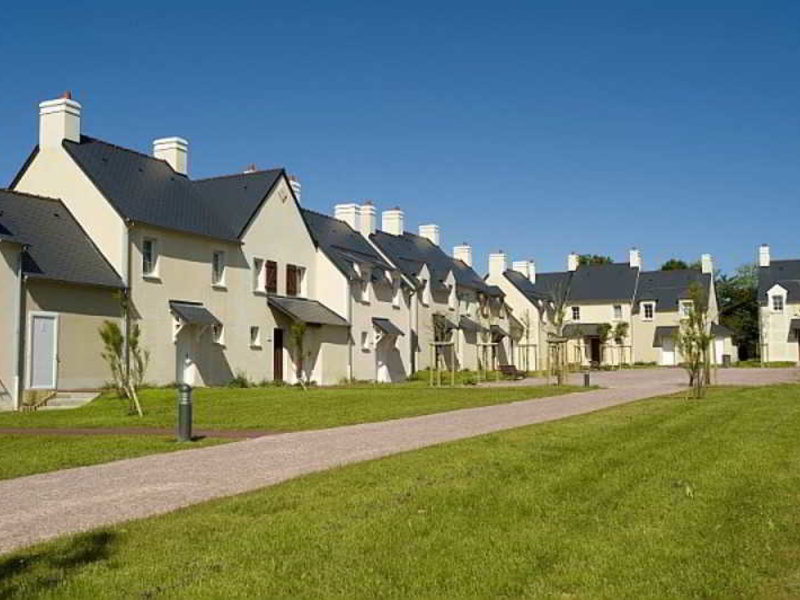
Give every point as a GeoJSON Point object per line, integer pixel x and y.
{"type": "Point", "coordinates": [56, 289]}
{"type": "Point", "coordinates": [778, 307]}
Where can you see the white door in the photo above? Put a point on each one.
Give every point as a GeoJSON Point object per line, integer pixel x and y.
{"type": "Point", "coordinates": [667, 352]}
{"type": "Point", "coordinates": [44, 333]}
{"type": "Point", "coordinates": [719, 349]}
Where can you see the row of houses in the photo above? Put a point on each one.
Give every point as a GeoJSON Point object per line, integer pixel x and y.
{"type": "Point", "coordinates": [218, 274]}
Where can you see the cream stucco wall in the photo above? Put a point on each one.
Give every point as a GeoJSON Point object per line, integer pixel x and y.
{"type": "Point", "coordinates": [778, 341]}
{"type": "Point", "coordinates": [600, 312]}
{"type": "Point", "coordinates": [81, 311]}
{"type": "Point", "coordinates": [9, 314]}
{"type": "Point", "coordinates": [53, 173]}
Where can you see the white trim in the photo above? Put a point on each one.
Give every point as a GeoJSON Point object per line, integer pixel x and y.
{"type": "Point", "coordinates": [29, 343]}
{"type": "Point", "coordinates": [652, 305]}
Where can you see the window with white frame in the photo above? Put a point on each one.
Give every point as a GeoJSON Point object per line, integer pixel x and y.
{"type": "Point", "coordinates": [648, 311]}
{"type": "Point", "coordinates": [777, 303]}
{"type": "Point", "coordinates": [218, 268]}
{"type": "Point", "coordinates": [255, 336]}
{"type": "Point", "coordinates": [576, 313]}
{"type": "Point", "coordinates": [149, 257]}
{"type": "Point", "coordinates": [618, 312]}
{"type": "Point", "coordinates": [218, 333]}
{"type": "Point", "coordinates": [365, 340]}
{"type": "Point", "coordinates": [259, 276]}
{"type": "Point", "coordinates": [686, 308]}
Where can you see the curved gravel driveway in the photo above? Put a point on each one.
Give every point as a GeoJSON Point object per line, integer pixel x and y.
{"type": "Point", "coordinates": [40, 507]}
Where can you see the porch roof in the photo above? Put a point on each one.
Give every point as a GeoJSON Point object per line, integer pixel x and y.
{"type": "Point", "coordinates": [386, 326]}
{"type": "Point", "coordinates": [498, 331]}
{"type": "Point", "coordinates": [663, 331]}
{"type": "Point", "coordinates": [192, 313]}
{"type": "Point", "coordinates": [307, 311]}
{"type": "Point", "coordinates": [467, 324]}
{"type": "Point", "coordinates": [444, 322]}
{"type": "Point", "coordinates": [579, 330]}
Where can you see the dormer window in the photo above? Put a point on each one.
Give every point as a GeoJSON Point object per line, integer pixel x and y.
{"type": "Point", "coordinates": [686, 308]}
{"type": "Point", "coordinates": [218, 268]}
{"type": "Point", "coordinates": [777, 303]}
{"type": "Point", "coordinates": [576, 313]}
{"type": "Point", "coordinates": [648, 311]}
{"type": "Point", "coordinates": [149, 257]}
{"type": "Point", "coordinates": [618, 312]}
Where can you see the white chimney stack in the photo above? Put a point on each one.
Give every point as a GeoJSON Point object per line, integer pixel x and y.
{"type": "Point", "coordinates": [763, 256]}
{"type": "Point", "coordinates": [706, 264]}
{"type": "Point", "coordinates": [430, 233]}
{"type": "Point", "coordinates": [369, 219]}
{"type": "Point", "coordinates": [635, 258]}
{"type": "Point", "coordinates": [498, 263]}
{"type": "Point", "coordinates": [463, 253]}
{"type": "Point", "coordinates": [349, 213]}
{"type": "Point", "coordinates": [572, 261]}
{"type": "Point", "coordinates": [59, 120]}
{"type": "Point", "coordinates": [532, 269]}
{"type": "Point", "coordinates": [175, 151]}
{"type": "Point", "coordinates": [297, 188]}
{"type": "Point", "coordinates": [393, 221]}
{"type": "Point", "coordinates": [523, 267]}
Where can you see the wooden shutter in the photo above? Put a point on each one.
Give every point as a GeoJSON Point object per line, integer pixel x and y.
{"type": "Point", "coordinates": [272, 276]}
{"type": "Point", "coordinates": [291, 280]}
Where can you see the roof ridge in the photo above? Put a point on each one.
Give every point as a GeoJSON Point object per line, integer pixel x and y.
{"type": "Point", "coordinates": [117, 146]}
{"type": "Point", "coordinates": [37, 196]}
{"type": "Point", "coordinates": [243, 174]}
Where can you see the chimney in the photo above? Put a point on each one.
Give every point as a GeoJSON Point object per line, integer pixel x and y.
{"type": "Point", "coordinates": [59, 120]}
{"type": "Point", "coordinates": [706, 264]}
{"type": "Point", "coordinates": [393, 221]}
{"type": "Point", "coordinates": [523, 267]}
{"type": "Point", "coordinates": [294, 183]}
{"type": "Point", "coordinates": [635, 258]}
{"type": "Point", "coordinates": [463, 253]}
{"type": "Point", "coordinates": [251, 168]}
{"type": "Point", "coordinates": [763, 256]}
{"type": "Point", "coordinates": [498, 263]}
{"type": "Point", "coordinates": [349, 213]}
{"type": "Point", "coordinates": [369, 219]}
{"type": "Point", "coordinates": [572, 261]}
{"type": "Point", "coordinates": [175, 151]}
{"type": "Point", "coordinates": [430, 232]}
{"type": "Point", "coordinates": [532, 269]}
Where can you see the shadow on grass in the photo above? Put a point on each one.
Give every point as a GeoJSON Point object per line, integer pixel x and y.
{"type": "Point", "coordinates": [30, 573]}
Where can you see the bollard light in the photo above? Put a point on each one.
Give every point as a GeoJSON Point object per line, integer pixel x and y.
{"type": "Point", "coordinates": [184, 413]}
{"type": "Point", "coordinates": [586, 379]}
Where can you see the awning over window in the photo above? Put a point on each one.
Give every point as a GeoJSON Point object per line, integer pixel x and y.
{"type": "Point", "coordinates": [386, 326]}
{"type": "Point", "coordinates": [664, 332]}
{"type": "Point", "coordinates": [467, 324]}
{"type": "Point", "coordinates": [442, 321]}
{"type": "Point", "coordinates": [579, 330]}
{"type": "Point", "coordinates": [718, 330]}
{"type": "Point", "coordinates": [497, 331]}
{"type": "Point", "coordinates": [192, 313]}
{"type": "Point", "coordinates": [307, 311]}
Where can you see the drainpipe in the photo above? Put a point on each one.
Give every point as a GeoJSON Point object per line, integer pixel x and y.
{"type": "Point", "coordinates": [350, 338]}
{"type": "Point", "coordinates": [19, 332]}
{"type": "Point", "coordinates": [127, 293]}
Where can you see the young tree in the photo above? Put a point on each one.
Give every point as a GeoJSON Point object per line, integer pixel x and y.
{"type": "Point", "coordinates": [554, 309]}
{"type": "Point", "coordinates": [603, 334]}
{"type": "Point", "coordinates": [126, 378]}
{"type": "Point", "coordinates": [619, 334]}
{"type": "Point", "coordinates": [693, 340]}
{"type": "Point", "coordinates": [298, 334]}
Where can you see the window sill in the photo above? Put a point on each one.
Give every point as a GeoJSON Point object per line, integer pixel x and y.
{"type": "Point", "coordinates": [153, 278]}
{"type": "Point", "coordinates": [256, 347]}
{"type": "Point", "coordinates": [220, 286]}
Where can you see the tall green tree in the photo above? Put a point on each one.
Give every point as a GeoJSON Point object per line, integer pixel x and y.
{"type": "Point", "coordinates": [674, 264]}
{"type": "Point", "coordinates": [693, 340]}
{"type": "Point", "coordinates": [738, 308]}
{"type": "Point", "coordinates": [594, 259]}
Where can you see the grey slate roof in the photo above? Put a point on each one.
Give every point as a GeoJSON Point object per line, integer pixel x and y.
{"type": "Point", "coordinates": [344, 246]}
{"type": "Point", "coordinates": [666, 288]}
{"type": "Point", "coordinates": [193, 313]}
{"type": "Point", "coordinates": [307, 311]}
{"type": "Point", "coordinates": [145, 189]}
{"type": "Point", "coordinates": [599, 283]}
{"type": "Point", "coordinates": [409, 252]}
{"type": "Point", "coordinates": [58, 248]}
{"type": "Point", "coordinates": [386, 326]}
{"type": "Point", "coordinates": [783, 272]}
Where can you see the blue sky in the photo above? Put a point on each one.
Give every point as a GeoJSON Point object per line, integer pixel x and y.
{"type": "Point", "coordinates": [535, 127]}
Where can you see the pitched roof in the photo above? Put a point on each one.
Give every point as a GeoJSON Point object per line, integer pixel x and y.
{"type": "Point", "coordinates": [409, 252]}
{"type": "Point", "coordinates": [343, 245]}
{"type": "Point", "coordinates": [58, 248]}
{"type": "Point", "coordinates": [600, 283]}
{"type": "Point", "coordinates": [783, 272]}
{"type": "Point", "coordinates": [305, 310]}
{"type": "Point", "coordinates": [666, 288]}
{"type": "Point", "coordinates": [145, 189]}
{"type": "Point", "coordinates": [192, 313]}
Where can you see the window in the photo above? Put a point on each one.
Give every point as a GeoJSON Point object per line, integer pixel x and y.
{"type": "Point", "coordinates": [255, 337]}
{"type": "Point", "coordinates": [618, 312]}
{"type": "Point", "coordinates": [149, 258]}
{"type": "Point", "coordinates": [396, 293]}
{"type": "Point", "coordinates": [259, 276]}
{"type": "Point", "coordinates": [576, 313]}
{"type": "Point", "coordinates": [218, 268]}
{"type": "Point", "coordinates": [648, 309]}
{"type": "Point", "coordinates": [293, 273]}
{"type": "Point", "coordinates": [365, 340]}
{"type": "Point", "coordinates": [686, 308]}
{"type": "Point", "coordinates": [272, 277]}
{"type": "Point", "coordinates": [218, 333]}
{"type": "Point", "coordinates": [777, 303]}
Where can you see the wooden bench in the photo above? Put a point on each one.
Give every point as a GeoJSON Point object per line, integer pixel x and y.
{"type": "Point", "coordinates": [512, 371]}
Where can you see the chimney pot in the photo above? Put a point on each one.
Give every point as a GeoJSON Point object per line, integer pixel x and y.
{"type": "Point", "coordinates": [635, 258]}
{"type": "Point", "coordinates": [763, 256]}
{"type": "Point", "coordinates": [706, 264]}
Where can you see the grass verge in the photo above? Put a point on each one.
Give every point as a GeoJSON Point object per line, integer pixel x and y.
{"type": "Point", "coordinates": [664, 498]}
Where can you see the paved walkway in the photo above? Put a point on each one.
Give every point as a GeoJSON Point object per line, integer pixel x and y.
{"type": "Point", "coordinates": [45, 506]}
{"type": "Point", "coordinates": [239, 434]}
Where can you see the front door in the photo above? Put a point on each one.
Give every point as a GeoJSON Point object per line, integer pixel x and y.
{"type": "Point", "coordinates": [668, 352]}
{"type": "Point", "coordinates": [277, 354]}
{"type": "Point", "coordinates": [595, 350]}
{"type": "Point", "coordinates": [43, 351]}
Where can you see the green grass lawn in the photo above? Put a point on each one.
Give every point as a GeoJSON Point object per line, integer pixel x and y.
{"type": "Point", "coordinates": [664, 498]}
{"type": "Point", "coordinates": [25, 454]}
{"type": "Point", "coordinates": [282, 408]}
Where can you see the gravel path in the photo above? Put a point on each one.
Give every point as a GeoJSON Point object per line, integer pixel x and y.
{"type": "Point", "coordinates": [40, 507]}
{"type": "Point", "coordinates": [156, 431]}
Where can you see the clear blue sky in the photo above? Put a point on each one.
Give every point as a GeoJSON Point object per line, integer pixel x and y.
{"type": "Point", "coordinates": [538, 128]}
